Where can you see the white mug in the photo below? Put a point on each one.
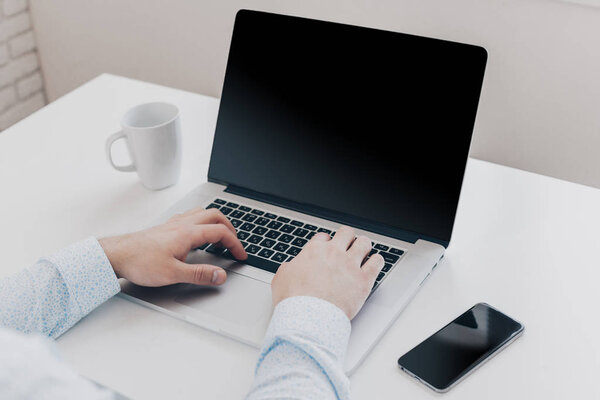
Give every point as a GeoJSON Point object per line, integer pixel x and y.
{"type": "Point", "coordinates": [152, 132]}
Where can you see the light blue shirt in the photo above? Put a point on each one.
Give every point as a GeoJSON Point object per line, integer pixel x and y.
{"type": "Point", "coordinates": [302, 356]}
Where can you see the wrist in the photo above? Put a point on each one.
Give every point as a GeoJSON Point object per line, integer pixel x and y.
{"type": "Point", "coordinates": [347, 309]}
{"type": "Point", "coordinates": [115, 251]}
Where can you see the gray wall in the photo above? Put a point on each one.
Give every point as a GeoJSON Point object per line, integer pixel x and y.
{"type": "Point", "coordinates": [540, 109]}
{"type": "Point", "coordinates": [21, 85]}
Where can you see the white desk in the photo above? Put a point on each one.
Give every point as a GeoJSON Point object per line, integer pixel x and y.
{"type": "Point", "coordinates": [525, 243]}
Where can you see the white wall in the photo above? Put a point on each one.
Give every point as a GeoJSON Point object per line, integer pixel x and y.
{"type": "Point", "coordinates": [540, 109]}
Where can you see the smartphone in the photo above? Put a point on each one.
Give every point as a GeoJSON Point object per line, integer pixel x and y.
{"type": "Point", "coordinates": [449, 355]}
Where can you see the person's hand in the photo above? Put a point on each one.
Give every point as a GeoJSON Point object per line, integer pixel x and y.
{"type": "Point", "coordinates": [155, 256]}
{"type": "Point", "coordinates": [330, 269]}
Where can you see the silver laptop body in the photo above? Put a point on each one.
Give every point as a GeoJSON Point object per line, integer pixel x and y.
{"type": "Point", "coordinates": [424, 135]}
{"type": "Point", "coordinates": [241, 308]}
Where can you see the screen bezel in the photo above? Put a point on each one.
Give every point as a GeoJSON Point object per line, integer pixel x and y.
{"type": "Point", "coordinates": [482, 360]}
{"type": "Point", "coordinates": [331, 214]}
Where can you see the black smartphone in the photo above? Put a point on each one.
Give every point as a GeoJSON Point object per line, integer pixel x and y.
{"type": "Point", "coordinates": [449, 355]}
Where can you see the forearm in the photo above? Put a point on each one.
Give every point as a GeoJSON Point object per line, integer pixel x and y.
{"type": "Point", "coordinates": [303, 352]}
{"type": "Point", "coordinates": [57, 291]}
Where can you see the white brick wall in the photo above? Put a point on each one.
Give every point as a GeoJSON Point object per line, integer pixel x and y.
{"type": "Point", "coordinates": [21, 83]}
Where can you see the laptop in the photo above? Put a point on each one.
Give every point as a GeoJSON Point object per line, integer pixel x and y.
{"type": "Point", "coordinates": [322, 124]}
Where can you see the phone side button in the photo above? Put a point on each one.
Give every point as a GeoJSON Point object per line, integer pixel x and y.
{"type": "Point", "coordinates": [410, 374]}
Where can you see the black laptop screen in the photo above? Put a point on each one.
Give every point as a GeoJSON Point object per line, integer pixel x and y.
{"type": "Point", "coordinates": [361, 122]}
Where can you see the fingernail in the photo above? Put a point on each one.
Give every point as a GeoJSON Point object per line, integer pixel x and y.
{"type": "Point", "coordinates": [215, 276]}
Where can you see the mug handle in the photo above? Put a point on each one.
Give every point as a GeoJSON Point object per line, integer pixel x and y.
{"type": "Point", "coordinates": [109, 142]}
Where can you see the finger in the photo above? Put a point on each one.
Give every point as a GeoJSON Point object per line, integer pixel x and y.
{"type": "Point", "coordinates": [360, 249]}
{"type": "Point", "coordinates": [200, 274]}
{"type": "Point", "coordinates": [175, 216]}
{"type": "Point", "coordinates": [372, 267]}
{"type": "Point", "coordinates": [193, 211]}
{"type": "Point", "coordinates": [344, 237]}
{"type": "Point", "coordinates": [321, 237]}
{"type": "Point", "coordinates": [211, 216]}
{"type": "Point", "coordinates": [218, 233]}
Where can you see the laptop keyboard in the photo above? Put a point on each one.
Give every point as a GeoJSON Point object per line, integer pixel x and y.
{"type": "Point", "coordinates": [271, 239]}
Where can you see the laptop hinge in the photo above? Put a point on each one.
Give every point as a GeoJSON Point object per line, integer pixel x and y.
{"type": "Point", "coordinates": [341, 218]}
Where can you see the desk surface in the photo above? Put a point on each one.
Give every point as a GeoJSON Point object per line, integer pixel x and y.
{"type": "Point", "coordinates": [524, 243]}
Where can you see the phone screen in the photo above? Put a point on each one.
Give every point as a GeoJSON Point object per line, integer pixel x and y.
{"type": "Point", "coordinates": [450, 353]}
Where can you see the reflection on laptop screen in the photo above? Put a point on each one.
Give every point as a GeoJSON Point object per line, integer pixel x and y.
{"type": "Point", "coordinates": [365, 123]}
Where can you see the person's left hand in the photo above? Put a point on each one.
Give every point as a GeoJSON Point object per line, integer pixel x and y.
{"type": "Point", "coordinates": [156, 256]}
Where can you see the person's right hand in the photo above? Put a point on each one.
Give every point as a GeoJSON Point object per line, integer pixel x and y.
{"type": "Point", "coordinates": [330, 269]}
{"type": "Point", "coordinates": [156, 256]}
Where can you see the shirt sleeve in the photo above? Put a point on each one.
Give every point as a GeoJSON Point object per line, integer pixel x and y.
{"type": "Point", "coordinates": [30, 368]}
{"type": "Point", "coordinates": [303, 353]}
{"type": "Point", "coordinates": [57, 291]}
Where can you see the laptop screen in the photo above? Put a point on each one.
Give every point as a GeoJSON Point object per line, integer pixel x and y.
{"type": "Point", "coordinates": [357, 122]}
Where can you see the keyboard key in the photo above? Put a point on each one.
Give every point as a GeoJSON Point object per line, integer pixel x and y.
{"type": "Point", "coordinates": [258, 212]}
{"type": "Point", "coordinates": [285, 238]}
{"type": "Point", "coordinates": [236, 223]}
{"type": "Point", "coordinates": [260, 230]}
{"type": "Point", "coordinates": [281, 246]}
{"type": "Point", "coordinates": [205, 246]}
{"type": "Point", "coordinates": [283, 219]}
{"type": "Point", "coordinates": [287, 228]}
{"type": "Point", "coordinates": [249, 218]}
{"type": "Point", "coordinates": [269, 215]}
{"type": "Point", "coordinates": [244, 244]}
{"type": "Point", "coordinates": [396, 251]}
{"type": "Point", "coordinates": [266, 253]}
{"type": "Point", "coordinates": [293, 251]}
{"type": "Point", "coordinates": [274, 225]}
{"type": "Point", "coordinates": [299, 242]}
{"type": "Point", "coordinates": [261, 263]}
{"type": "Point", "coordinates": [243, 235]}
{"type": "Point", "coordinates": [310, 227]}
{"type": "Point", "coordinates": [310, 235]}
{"type": "Point", "coordinates": [236, 214]}
{"type": "Point", "coordinates": [279, 257]}
{"type": "Point", "coordinates": [373, 251]}
{"type": "Point", "coordinates": [324, 230]}
{"type": "Point", "coordinates": [300, 232]}
{"type": "Point", "coordinates": [244, 208]}
{"type": "Point", "coordinates": [213, 205]}
{"type": "Point", "coordinates": [389, 258]}
{"type": "Point", "coordinates": [226, 210]}
{"type": "Point", "coordinates": [380, 276]}
{"type": "Point", "coordinates": [267, 243]}
{"type": "Point", "coordinates": [215, 250]}
{"type": "Point", "coordinates": [381, 247]}
{"type": "Point", "coordinates": [262, 221]}
{"type": "Point", "coordinates": [247, 226]}
{"type": "Point", "coordinates": [220, 201]}
{"type": "Point", "coordinates": [228, 255]}
{"type": "Point", "coordinates": [252, 249]}
{"type": "Point", "coordinates": [232, 205]}
{"type": "Point", "coordinates": [386, 267]}
{"type": "Point", "coordinates": [255, 239]}
{"type": "Point", "coordinates": [297, 223]}
{"type": "Point", "coordinates": [273, 234]}
{"type": "Point", "coordinates": [290, 258]}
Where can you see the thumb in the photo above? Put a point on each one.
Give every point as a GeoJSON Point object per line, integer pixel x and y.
{"type": "Point", "coordinates": [200, 274]}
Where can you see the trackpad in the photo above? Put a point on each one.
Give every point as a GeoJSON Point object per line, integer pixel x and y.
{"type": "Point", "coordinates": [240, 300]}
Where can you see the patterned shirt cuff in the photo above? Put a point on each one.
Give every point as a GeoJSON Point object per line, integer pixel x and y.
{"type": "Point", "coordinates": [87, 273]}
{"type": "Point", "coordinates": [313, 318]}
